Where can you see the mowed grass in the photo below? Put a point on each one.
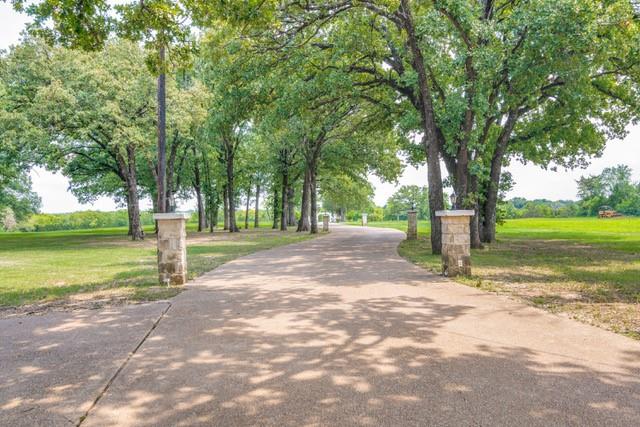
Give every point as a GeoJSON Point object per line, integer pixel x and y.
{"type": "Point", "coordinates": [104, 263]}
{"type": "Point", "coordinates": [587, 268]}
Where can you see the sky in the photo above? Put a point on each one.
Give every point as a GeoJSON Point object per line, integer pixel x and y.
{"type": "Point", "coordinates": [531, 182]}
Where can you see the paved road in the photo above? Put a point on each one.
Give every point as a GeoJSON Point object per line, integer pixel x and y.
{"type": "Point", "coordinates": [334, 331]}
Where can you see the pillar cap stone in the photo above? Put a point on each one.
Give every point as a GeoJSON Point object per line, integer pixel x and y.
{"type": "Point", "coordinates": [455, 213]}
{"type": "Point", "coordinates": [171, 215]}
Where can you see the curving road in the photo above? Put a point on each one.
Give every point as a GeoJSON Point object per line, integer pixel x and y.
{"type": "Point", "coordinates": [341, 331]}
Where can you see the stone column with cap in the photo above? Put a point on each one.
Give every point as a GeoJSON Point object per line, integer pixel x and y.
{"type": "Point", "coordinates": [412, 226]}
{"type": "Point", "coordinates": [172, 247]}
{"type": "Point", "coordinates": [325, 222]}
{"type": "Point", "coordinates": [456, 242]}
{"type": "Point", "coordinates": [364, 219]}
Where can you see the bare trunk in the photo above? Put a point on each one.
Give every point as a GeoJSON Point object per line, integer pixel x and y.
{"type": "Point", "coordinates": [170, 184]}
{"type": "Point", "coordinates": [490, 205]}
{"type": "Point", "coordinates": [226, 208]}
{"type": "Point", "coordinates": [475, 220]}
{"type": "Point", "coordinates": [246, 210]}
{"type": "Point", "coordinates": [231, 194]}
{"type": "Point", "coordinates": [284, 218]}
{"type": "Point", "coordinates": [313, 200]}
{"type": "Point", "coordinates": [303, 222]}
{"type": "Point", "coordinates": [275, 206]}
{"type": "Point", "coordinates": [197, 185]}
{"type": "Point", "coordinates": [256, 218]}
{"type": "Point", "coordinates": [291, 210]}
{"type": "Point", "coordinates": [133, 202]}
{"type": "Point", "coordinates": [162, 140]}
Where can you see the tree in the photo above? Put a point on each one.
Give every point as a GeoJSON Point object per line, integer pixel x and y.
{"type": "Point", "coordinates": [409, 197]}
{"type": "Point", "coordinates": [486, 81]}
{"type": "Point", "coordinates": [613, 187]}
{"type": "Point", "coordinates": [236, 86]}
{"type": "Point", "coordinates": [17, 152]}
{"type": "Point", "coordinates": [8, 219]}
{"type": "Point", "coordinates": [88, 25]}
{"type": "Point", "coordinates": [94, 115]}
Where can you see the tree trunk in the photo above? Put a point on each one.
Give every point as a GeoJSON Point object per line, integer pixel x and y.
{"type": "Point", "coordinates": [226, 208]}
{"type": "Point", "coordinates": [493, 188]}
{"type": "Point", "coordinates": [275, 206]}
{"type": "Point", "coordinates": [197, 186]}
{"type": "Point", "coordinates": [233, 227]}
{"type": "Point", "coordinates": [284, 218]}
{"type": "Point", "coordinates": [246, 210]}
{"type": "Point", "coordinates": [291, 210]}
{"type": "Point", "coordinates": [303, 222]}
{"type": "Point", "coordinates": [169, 179]}
{"type": "Point", "coordinates": [256, 218]}
{"type": "Point", "coordinates": [313, 200]}
{"type": "Point", "coordinates": [202, 219]}
{"type": "Point", "coordinates": [475, 219]}
{"type": "Point", "coordinates": [430, 139]}
{"type": "Point", "coordinates": [212, 209]}
{"type": "Point", "coordinates": [162, 140]}
{"type": "Point", "coordinates": [133, 202]}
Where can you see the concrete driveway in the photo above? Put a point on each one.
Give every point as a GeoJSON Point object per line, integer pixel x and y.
{"type": "Point", "coordinates": [334, 331]}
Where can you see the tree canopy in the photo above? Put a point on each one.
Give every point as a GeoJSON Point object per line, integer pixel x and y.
{"type": "Point", "coordinates": [304, 101]}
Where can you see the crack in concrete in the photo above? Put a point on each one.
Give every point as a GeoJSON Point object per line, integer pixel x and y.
{"type": "Point", "coordinates": [122, 366]}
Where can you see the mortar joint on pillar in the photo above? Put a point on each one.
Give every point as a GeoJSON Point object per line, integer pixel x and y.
{"type": "Point", "coordinates": [172, 248]}
{"type": "Point", "coordinates": [456, 242]}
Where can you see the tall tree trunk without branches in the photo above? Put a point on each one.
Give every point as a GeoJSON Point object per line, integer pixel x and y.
{"type": "Point", "coordinates": [197, 185]}
{"type": "Point", "coordinates": [128, 171]}
{"type": "Point", "coordinates": [231, 195]}
{"type": "Point", "coordinates": [475, 219]}
{"type": "Point", "coordinates": [303, 222]}
{"type": "Point", "coordinates": [226, 208]}
{"type": "Point", "coordinates": [275, 206]}
{"type": "Point", "coordinates": [246, 211]}
{"type": "Point", "coordinates": [291, 210]}
{"type": "Point", "coordinates": [162, 138]}
{"type": "Point", "coordinates": [284, 218]}
{"type": "Point", "coordinates": [169, 178]}
{"type": "Point", "coordinates": [256, 218]}
{"type": "Point", "coordinates": [313, 199]}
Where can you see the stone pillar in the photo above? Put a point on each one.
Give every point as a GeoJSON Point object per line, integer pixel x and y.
{"type": "Point", "coordinates": [456, 242]}
{"type": "Point", "coordinates": [172, 247]}
{"type": "Point", "coordinates": [325, 222]}
{"type": "Point", "coordinates": [412, 228]}
{"type": "Point", "coordinates": [364, 219]}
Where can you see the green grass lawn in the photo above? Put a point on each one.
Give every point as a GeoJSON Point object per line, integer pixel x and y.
{"type": "Point", "coordinates": [588, 268]}
{"type": "Point", "coordinates": [37, 267]}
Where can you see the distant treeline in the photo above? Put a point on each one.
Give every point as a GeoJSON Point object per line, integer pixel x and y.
{"type": "Point", "coordinates": [99, 219]}
{"type": "Point", "coordinates": [612, 189]}
{"type": "Point", "coordinates": [81, 220]}
{"type": "Point", "coordinates": [519, 207]}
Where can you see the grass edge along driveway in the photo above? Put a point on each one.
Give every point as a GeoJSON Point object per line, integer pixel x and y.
{"type": "Point", "coordinates": [103, 264]}
{"type": "Point", "coordinates": [584, 268]}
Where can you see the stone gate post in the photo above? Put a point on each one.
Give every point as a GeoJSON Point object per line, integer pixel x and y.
{"type": "Point", "coordinates": [456, 242]}
{"type": "Point", "coordinates": [325, 222]}
{"type": "Point", "coordinates": [412, 226]}
{"type": "Point", "coordinates": [172, 247]}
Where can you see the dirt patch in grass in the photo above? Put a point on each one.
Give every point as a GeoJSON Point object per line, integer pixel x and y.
{"type": "Point", "coordinates": [591, 283]}
{"type": "Point", "coordinates": [94, 300]}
